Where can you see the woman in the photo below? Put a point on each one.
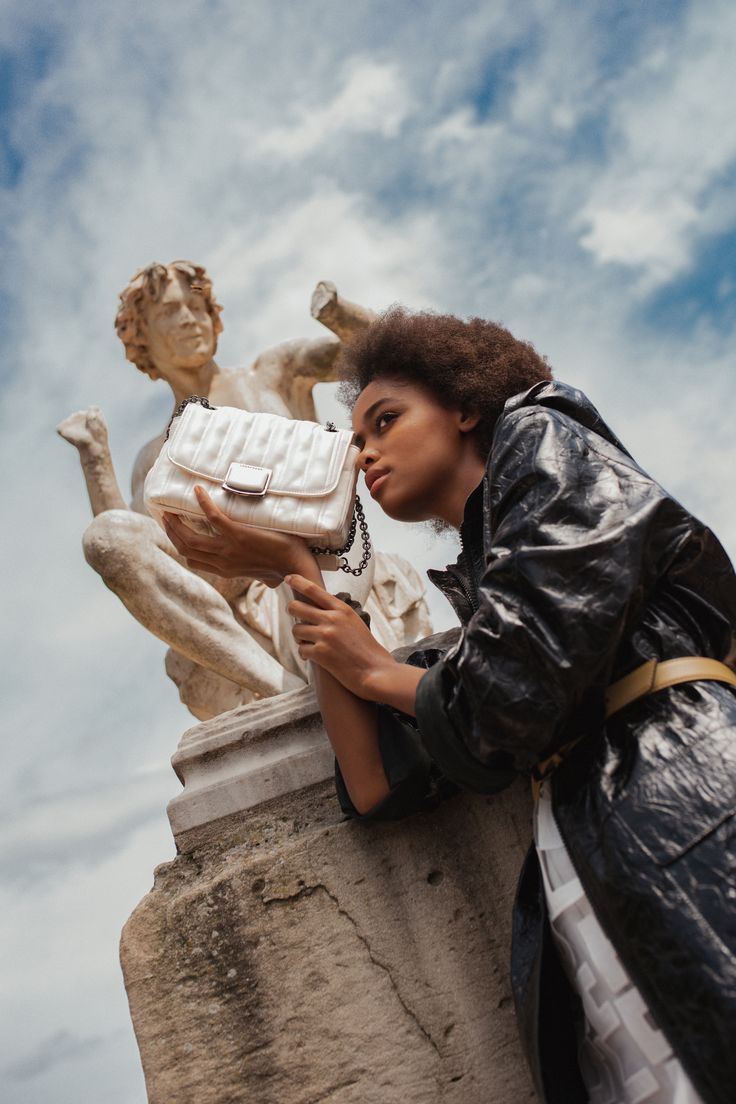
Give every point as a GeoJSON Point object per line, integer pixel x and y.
{"type": "Point", "coordinates": [578, 576]}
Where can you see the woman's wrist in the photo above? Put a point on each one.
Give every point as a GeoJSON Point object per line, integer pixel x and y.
{"type": "Point", "coordinates": [305, 564]}
{"type": "Point", "coordinates": [394, 684]}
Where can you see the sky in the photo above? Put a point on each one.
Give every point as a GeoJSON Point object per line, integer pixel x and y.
{"type": "Point", "coordinates": [564, 168]}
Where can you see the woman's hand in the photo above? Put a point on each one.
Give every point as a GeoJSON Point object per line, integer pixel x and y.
{"type": "Point", "coordinates": [332, 635]}
{"type": "Point", "coordinates": [237, 549]}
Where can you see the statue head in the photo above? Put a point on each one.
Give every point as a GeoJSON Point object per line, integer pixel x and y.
{"type": "Point", "coordinates": [168, 318]}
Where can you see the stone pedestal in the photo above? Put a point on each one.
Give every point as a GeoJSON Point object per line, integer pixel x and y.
{"type": "Point", "coordinates": [292, 957]}
{"type": "Point", "coordinates": [244, 758]}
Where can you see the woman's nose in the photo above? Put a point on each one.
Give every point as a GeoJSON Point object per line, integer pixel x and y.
{"type": "Point", "coordinates": [367, 457]}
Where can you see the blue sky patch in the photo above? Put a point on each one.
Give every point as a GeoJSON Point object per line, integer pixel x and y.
{"type": "Point", "coordinates": [19, 71]}
{"type": "Point", "coordinates": [706, 293]}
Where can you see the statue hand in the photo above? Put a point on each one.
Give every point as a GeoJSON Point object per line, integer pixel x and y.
{"type": "Point", "coordinates": [236, 549]}
{"type": "Point", "coordinates": [86, 430]}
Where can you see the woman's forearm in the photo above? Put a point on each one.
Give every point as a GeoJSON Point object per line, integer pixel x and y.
{"type": "Point", "coordinates": [352, 727]}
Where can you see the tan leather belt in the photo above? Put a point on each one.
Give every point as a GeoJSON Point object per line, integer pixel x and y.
{"type": "Point", "coordinates": [653, 676]}
{"type": "Point", "coordinates": [647, 679]}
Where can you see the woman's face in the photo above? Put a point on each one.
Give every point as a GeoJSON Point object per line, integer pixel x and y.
{"type": "Point", "coordinates": [417, 455]}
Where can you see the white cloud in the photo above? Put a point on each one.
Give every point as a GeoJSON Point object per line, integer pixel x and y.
{"type": "Point", "coordinates": [643, 233]}
{"type": "Point", "coordinates": [328, 234]}
{"type": "Point", "coordinates": [372, 100]}
{"type": "Point", "coordinates": [673, 135]}
{"type": "Point", "coordinates": [65, 1024]}
{"type": "Point", "coordinates": [50, 1052]}
{"type": "Point", "coordinates": [81, 826]}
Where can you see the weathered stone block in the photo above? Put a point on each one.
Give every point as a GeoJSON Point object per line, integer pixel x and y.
{"type": "Point", "coordinates": [292, 957]}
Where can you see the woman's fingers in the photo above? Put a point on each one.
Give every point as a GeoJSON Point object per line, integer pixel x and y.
{"type": "Point", "coordinates": [314, 592]}
{"type": "Point", "coordinates": [213, 513]}
{"type": "Point", "coordinates": [183, 537]}
{"type": "Point", "coordinates": [307, 640]}
{"type": "Point", "coordinates": [200, 565]}
{"type": "Point", "coordinates": [305, 634]}
{"type": "Point", "coordinates": [172, 527]}
{"type": "Point", "coordinates": [173, 521]}
{"type": "Point", "coordinates": [235, 549]}
{"type": "Point", "coordinates": [303, 611]}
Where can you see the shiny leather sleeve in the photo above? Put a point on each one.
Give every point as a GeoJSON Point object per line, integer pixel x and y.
{"type": "Point", "coordinates": [415, 783]}
{"type": "Point", "coordinates": [576, 537]}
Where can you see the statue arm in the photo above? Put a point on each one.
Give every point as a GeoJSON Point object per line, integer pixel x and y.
{"type": "Point", "coordinates": [314, 360]}
{"type": "Point", "coordinates": [87, 431]}
{"type": "Point", "coordinates": [343, 317]}
{"type": "Point", "coordinates": [309, 360]}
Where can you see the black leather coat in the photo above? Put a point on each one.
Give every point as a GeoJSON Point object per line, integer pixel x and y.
{"type": "Point", "coordinates": [576, 568]}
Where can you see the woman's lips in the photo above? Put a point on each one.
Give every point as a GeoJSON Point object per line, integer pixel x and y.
{"type": "Point", "coordinates": [377, 483]}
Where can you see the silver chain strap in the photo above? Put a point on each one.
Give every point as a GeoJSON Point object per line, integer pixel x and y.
{"type": "Point", "coordinates": [358, 519]}
{"type": "Point", "coordinates": [198, 399]}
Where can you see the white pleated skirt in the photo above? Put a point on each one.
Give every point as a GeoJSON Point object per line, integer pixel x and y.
{"type": "Point", "coordinates": [624, 1057]}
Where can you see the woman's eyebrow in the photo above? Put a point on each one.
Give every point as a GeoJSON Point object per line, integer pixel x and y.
{"type": "Point", "coordinates": [372, 409]}
{"type": "Point", "coordinates": [359, 439]}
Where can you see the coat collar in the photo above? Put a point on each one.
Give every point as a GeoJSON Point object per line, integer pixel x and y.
{"type": "Point", "coordinates": [459, 581]}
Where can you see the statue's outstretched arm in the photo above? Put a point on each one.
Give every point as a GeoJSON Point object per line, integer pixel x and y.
{"type": "Point", "coordinates": [339, 315]}
{"type": "Point", "coordinates": [291, 370]}
{"type": "Point", "coordinates": [293, 367]}
{"type": "Point", "coordinates": [87, 431]}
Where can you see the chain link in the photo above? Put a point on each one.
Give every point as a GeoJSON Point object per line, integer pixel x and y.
{"type": "Point", "coordinates": [200, 400]}
{"type": "Point", "coordinates": [358, 519]}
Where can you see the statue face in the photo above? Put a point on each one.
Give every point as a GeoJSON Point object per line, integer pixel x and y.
{"type": "Point", "coordinates": [179, 328]}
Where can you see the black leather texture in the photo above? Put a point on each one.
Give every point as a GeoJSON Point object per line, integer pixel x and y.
{"type": "Point", "coordinates": [576, 568]}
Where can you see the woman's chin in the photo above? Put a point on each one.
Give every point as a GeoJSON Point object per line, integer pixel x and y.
{"type": "Point", "coordinates": [391, 509]}
{"type": "Point", "coordinates": [401, 511]}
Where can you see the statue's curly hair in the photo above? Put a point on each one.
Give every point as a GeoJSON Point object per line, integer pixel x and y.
{"type": "Point", "coordinates": [147, 286]}
{"type": "Point", "coordinates": [471, 365]}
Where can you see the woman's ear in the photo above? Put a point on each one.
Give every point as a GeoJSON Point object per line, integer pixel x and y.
{"type": "Point", "coordinates": [468, 421]}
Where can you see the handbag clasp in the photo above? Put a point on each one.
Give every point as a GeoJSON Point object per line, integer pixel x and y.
{"type": "Point", "coordinates": [247, 479]}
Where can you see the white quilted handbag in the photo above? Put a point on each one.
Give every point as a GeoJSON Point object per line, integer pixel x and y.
{"type": "Point", "coordinates": [263, 470]}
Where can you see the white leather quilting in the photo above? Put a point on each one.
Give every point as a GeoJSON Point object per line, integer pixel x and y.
{"type": "Point", "coordinates": [304, 457]}
{"type": "Point", "coordinates": [312, 487]}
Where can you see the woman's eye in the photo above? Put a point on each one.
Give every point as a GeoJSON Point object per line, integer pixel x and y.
{"type": "Point", "coordinates": [384, 419]}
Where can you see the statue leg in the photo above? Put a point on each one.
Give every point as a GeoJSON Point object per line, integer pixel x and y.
{"type": "Point", "coordinates": [204, 693]}
{"type": "Point", "coordinates": [131, 554]}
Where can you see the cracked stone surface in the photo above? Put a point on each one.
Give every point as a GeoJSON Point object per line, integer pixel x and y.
{"type": "Point", "coordinates": [292, 957]}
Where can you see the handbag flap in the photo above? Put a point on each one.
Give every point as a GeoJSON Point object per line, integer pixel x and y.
{"type": "Point", "coordinates": [305, 459]}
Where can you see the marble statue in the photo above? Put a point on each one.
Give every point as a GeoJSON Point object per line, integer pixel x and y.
{"type": "Point", "coordinates": [229, 640]}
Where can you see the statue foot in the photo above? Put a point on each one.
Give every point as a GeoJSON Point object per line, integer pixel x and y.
{"type": "Point", "coordinates": [205, 693]}
{"type": "Point", "coordinates": [86, 430]}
